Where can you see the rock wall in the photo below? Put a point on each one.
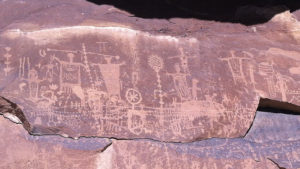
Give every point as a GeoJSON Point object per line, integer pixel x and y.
{"type": "Point", "coordinates": [149, 90]}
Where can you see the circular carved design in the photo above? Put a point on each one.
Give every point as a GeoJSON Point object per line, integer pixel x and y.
{"type": "Point", "coordinates": [133, 96]}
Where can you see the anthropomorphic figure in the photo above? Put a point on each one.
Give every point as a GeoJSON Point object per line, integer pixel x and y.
{"type": "Point", "coordinates": [180, 83]}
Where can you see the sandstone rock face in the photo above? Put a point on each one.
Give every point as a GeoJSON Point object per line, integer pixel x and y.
{"type": "Point", "coordinates": [253, 151]}
{"type": "Point", "coordinates": [104, 73]}
{"type": "Point", "coordinates": [21, 150]}
{"type": "Point", "coordinates": [93, 78]}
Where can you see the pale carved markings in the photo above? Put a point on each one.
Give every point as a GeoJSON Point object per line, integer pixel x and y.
{"type": "Point", "coordinates": [111, 76]}
{"type": "Point", "coordinates": [195, 89]}
{"type": "Point", "coordinates": [29, 77]}
{"type": "Point", "coordinates": [110, 73]}
{"type": "Point", "coordinates": [186, 112]}
{"type": "Point", "coordinates": [285, 85]}
{"type": "Point", "coordinates": [187, 90]}
{"type": "Point", "coordinates": [277, 83]}
{"type": "Point", "coordinates": [135, 69]}
{"type": "Point", "coordinates": [134, 97]}
{"type": "Point", "coordinates": [295, 92]}
{"type": "Point", "coordinates": [236, 67]}
{"type": "Point", "coordinates": [156, 63]}
{"type": "Point", "coordinates": [189, 105]}
{"type": "Point", "coordinates": [30, 80]}
{"type": "Point", "coordinates": [184, 61]}
{"type": "Point", "coordinates": [7, 60]}
{"type": "Point", "coordinates": [87, 66]}
{"type": "Point", "coordinates": [24, 67]}
{"type": "Point", "coordinates": [267, 70]}
{"type": "Point", "coordinates": [137, 119]}
{"type": "Point", "coordinates": [1, 56]}
{"type": "Point", "coordinates": [70, 83]}
{"type": "Point", "coordinates": [70, 75]}
{"type": "Point", "coordinates": [179, 77]}
{"type": "Point", "coordinates": [251, 72]}
{"type": "Point", "coordinates": [69, 78]}
{"type": "Point", "coordinates": [99, 96]}
{"type": "Point", "coordinates": [180, 83]}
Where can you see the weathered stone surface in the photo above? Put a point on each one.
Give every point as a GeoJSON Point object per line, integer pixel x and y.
{"type": "Point", "coordinates": [109, 75]}
{"type": "Point", "coordinates": [177, 156]}
{"type": "Point", "coordinates": [256, 150]}
{"type": "Point", "coordinates": [261, 148]}
{"type": "Point", "coordinates": [18, 149]}
{"type": "Point", "coordinates": [147, 84]}
{"type": "Point", "coordinates": [274, 127]}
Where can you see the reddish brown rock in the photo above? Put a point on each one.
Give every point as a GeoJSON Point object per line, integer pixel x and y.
{"type": "Point", "coordinates": [268, 144]}
{"type": "Point", "coordinates": [132, 155]}
{"type": "Point", "coordinates": [149, 85]}
{"type": "Point", "coordinates": [261, 148]}
{"type": "Point", "coordinates": [21, 150]}
{"type": "Point", "coordinates": [109, 75]}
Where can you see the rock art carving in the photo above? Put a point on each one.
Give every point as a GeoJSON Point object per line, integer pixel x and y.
{"type": "Point", "coordinates": [176, 93]}
{"type": "Point", "coordinates": [116, 80]}
{"type": "Point", "coordinates": [156, 63]}
{"type": "Point", "coordinates": [133, 97]}
{"type": "Point", "coordinates": [67, 84]}
{"type": "Point", "coordinates": [235, 65]}
{"type": "Point", "coordinates": [267, 145]}
{"type": "Point", "coordinates": [7, 62]}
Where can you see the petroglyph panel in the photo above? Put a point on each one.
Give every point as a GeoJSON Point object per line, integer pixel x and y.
{"type": "Point", "coordinates": [124, 83]}
{"type": "Point", "coordinates": [266, 145]}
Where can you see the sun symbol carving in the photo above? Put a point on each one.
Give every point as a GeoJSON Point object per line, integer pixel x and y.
{"type": "Point", "coordinates": [133, 96]}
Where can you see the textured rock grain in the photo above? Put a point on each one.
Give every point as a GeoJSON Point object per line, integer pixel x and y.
{"type": "Point", "coordinates": [109, 75]}
{"type": "Point", "coordinates": [76, 69]}
{"type": "Point", "coordinates": [256, 150]}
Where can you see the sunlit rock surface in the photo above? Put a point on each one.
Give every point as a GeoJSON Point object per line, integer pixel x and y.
{"type": "Point", "coordinates": [109, 75]}
{"type": "Point", "coordinates": [77, 69]}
